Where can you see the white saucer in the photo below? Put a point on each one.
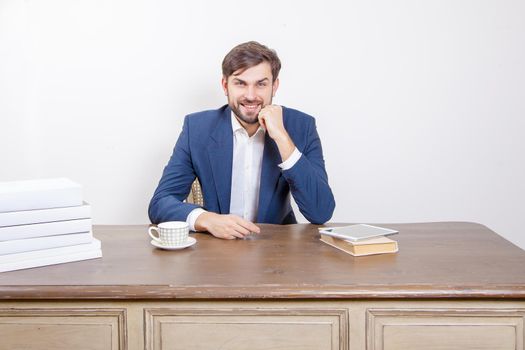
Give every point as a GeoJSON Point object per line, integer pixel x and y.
{"type": "Point", "coordinates": [191, 241]}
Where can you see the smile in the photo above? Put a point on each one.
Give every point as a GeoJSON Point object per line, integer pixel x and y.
{"type": "Point", "coordinates": [250, 107]}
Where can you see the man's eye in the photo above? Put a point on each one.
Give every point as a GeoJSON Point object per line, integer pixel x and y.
{"type": "Point", "coordinates": [262, 84]}
{"type": "Point", "coordinates": [240, 83]}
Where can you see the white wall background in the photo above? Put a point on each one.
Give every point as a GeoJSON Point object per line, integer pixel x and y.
{"type": "Point", "coordinates": [420, 104]}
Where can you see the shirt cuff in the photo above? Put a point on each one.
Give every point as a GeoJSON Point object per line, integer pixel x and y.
{"type": "Point", "coordinates": [192, 217]}
{"type": "Point", "coordinates": [292, 159]}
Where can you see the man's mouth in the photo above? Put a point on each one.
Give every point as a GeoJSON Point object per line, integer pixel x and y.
{"type": "Point", "coordinates": [251, 107]}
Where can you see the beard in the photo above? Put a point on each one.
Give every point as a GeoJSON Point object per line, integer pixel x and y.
{"type": "Point", "coordinates": [246, 114]}
{"type": "Point", "coordinates": [248, 118]}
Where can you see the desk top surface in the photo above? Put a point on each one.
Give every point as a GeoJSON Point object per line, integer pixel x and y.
{"type": "Point", "coordinates": [435, 260]}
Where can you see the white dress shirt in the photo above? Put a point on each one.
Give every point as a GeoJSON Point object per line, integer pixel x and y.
{"type": "Point", "coordinates": [246, 173]}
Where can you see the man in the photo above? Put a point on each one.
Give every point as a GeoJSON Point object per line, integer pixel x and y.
{"type": "Point", "coordinates": [248, 156]}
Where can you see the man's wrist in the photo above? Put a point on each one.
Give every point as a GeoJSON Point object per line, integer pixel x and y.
{"type": "Point", "coordinates": [192, 217]}
{"type": "Point", "coordinates": [283, 138]}
{"type": "Point", "coordinates": [292, 159]}
{"type": "Point", "coordinates": [285, 146]}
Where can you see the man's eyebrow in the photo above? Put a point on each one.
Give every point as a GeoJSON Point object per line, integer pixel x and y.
{"type": "Point", "coordinates": [258, 81]}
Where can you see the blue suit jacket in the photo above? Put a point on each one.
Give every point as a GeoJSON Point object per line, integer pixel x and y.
{"type": "Point", "coordinates": [205, 150]}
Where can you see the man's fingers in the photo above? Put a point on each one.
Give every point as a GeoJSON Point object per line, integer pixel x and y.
{"type": "Point", "coordinates": [247, 225]}
{"type": "Point", "coordinates": [262, 122]}
{"type": "Point", "coordinates": [227, 226]}
{"type": "Point", "coordinates": [240, 230]}
{"type": "Point", "coordinates": [237, 231]}
{"type": "Point", "coordinates": [262, 119]}
{"type": "Point", "coordinates": [252, 227]}
{"type": "Point", "coordinates": [226, 235]}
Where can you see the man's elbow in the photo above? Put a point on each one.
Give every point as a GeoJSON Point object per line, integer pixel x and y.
{"type": "Point", "coordinates": [323, 214]}
{"type": "Point", "coordinates": [153, 211]}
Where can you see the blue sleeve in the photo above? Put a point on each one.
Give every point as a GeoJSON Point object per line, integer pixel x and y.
{"type": "Point", "coordinates": [167, 203]}
{"type": "Point", "coordinates": [308, 181]}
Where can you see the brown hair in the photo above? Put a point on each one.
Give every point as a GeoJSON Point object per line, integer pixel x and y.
{"type": "Point", "coordinates": [247, 55]}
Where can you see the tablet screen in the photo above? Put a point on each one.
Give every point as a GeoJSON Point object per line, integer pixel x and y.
{"type": "Point", "coordinates": [358, 232]}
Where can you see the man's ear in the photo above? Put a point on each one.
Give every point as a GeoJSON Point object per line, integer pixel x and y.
{"type": "Point", "coordinates": [275, 86]}
{"type": "Point", "coordinates": [224, 83]}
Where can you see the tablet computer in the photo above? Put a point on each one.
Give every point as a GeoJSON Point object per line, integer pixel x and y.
{"type": "Point", "coordinates": [357, 232]}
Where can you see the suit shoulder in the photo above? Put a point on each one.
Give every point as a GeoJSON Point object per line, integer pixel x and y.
{"type": "Point", "coordinates": [296, 117]}
{"type": "Point", "coordinates": [209, 115]}
{"type": "Point", "coordinates": [205, 121]}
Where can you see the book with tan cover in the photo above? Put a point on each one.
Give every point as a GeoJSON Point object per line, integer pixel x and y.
{"type": "Point", "coordinates": [371, 246]}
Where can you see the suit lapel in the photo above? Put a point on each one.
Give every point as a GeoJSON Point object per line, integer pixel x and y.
{"type": "Point", "coordinates": [220, 153]}
{"type": "Point", "coordinates": [269, 176]}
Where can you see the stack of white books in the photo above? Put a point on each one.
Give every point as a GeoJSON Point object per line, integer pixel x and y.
{"type": "Point", "coordinates": [44, 222]}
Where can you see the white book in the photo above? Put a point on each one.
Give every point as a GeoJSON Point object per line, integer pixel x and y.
{"type": "Point", "coordinates": [46, 253]}
{"type": "Point", "coordinates": [8, 233]}
{"type": "Point", "coordinates": [39, 194]}
{"type": "Point", "coordinates": [30, 244]}
{"type": "Point", "coordinates": [51, 260]}
{"type": "Point", "coordinates": [37, 216]}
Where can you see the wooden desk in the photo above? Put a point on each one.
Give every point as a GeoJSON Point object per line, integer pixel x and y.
{"type": "Point", "coordinates": [451, 286]}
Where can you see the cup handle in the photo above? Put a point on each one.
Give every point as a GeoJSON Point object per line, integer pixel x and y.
{"type": "Point", "coordinates": [154, 228]}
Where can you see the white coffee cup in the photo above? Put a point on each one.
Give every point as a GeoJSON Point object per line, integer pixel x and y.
{"type": "Point", "coordinates": [170, 233]}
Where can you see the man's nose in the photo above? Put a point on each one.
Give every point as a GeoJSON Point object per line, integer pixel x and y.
{"type": "Point", "coordinates": [250, 93]}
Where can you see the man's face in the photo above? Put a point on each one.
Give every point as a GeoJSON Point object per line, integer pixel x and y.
{"type": "Point", "coordinates": [248, 92]}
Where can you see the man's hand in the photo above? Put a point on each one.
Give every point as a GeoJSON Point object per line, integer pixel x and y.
{"type": "Point", "coordinates": [271, 118]}
{"type": "Point", "coordinates": [225, 226]}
